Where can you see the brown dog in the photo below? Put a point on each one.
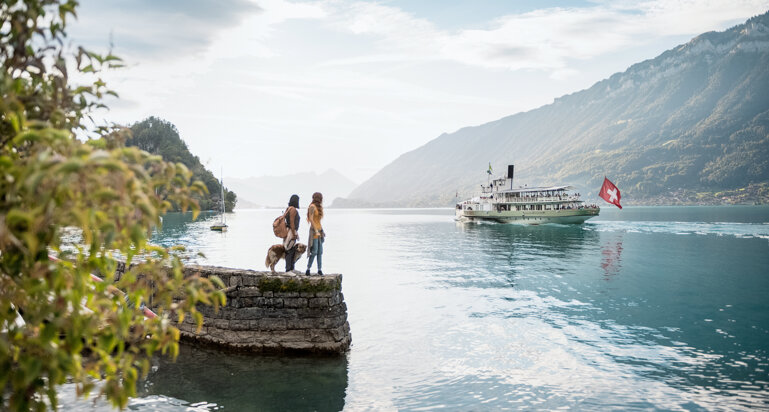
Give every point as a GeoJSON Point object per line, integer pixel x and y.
{"type": "Point", "coordinates": [278, 252]}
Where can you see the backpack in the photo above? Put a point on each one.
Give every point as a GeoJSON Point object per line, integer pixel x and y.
{"type": "Point", "coordinates": [280, 226]}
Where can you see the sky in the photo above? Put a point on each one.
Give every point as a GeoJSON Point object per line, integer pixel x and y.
{"type": "Point", "coordinates": [278, 87]}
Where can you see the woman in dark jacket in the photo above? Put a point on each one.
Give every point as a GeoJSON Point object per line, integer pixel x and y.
{"type": "Point", "coordinates": [292, 220]}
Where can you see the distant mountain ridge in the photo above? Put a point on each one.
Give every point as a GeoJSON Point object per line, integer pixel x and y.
{"type": "Point", "coordinates": [274, 191]}
{"type": "Point", "coordinates": [695, 118]}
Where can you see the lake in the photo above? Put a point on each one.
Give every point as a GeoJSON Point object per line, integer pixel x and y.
{"type": "Point", "coordinates": [641, 308]}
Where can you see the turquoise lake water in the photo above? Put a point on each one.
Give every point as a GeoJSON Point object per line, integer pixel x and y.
{"type": "Point", "coordinates": [661, 308]}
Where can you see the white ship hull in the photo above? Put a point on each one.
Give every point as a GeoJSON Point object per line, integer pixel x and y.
{"type": "Point", "coordinates": [534, 217]}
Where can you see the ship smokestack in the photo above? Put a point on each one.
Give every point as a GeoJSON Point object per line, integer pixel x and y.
{"type": "Point", "coordinates": [510, 172]}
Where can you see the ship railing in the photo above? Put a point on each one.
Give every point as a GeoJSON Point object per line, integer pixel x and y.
{"type": "Point", "coordinates": [541, 199]}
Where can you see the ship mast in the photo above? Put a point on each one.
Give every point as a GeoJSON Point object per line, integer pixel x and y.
{"type": "Point", "coordinates": [221, 184]}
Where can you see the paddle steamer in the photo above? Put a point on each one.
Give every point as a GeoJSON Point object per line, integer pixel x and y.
{"type": "Point", "coordinates": [500, 202]}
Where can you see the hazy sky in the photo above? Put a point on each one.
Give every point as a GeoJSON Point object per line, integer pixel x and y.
{"type": "Point", "coordinates": [275, 87]}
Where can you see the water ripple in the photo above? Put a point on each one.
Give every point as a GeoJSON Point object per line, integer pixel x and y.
{"type": "Point", "coordinates": [648, 308]}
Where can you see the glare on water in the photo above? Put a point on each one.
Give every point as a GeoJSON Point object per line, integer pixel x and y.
{"type": "Point", "coordinates": [653, 308]}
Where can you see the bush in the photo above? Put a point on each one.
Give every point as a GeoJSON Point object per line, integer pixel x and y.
{"type": "Point", "coordinates": [56, 323]}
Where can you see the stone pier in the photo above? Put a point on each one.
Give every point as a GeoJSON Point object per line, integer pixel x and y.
{"type": "Point", "coordinates": [273, 313]}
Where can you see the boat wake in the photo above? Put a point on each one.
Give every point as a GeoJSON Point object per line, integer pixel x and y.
{"type": "Point", "coordinates": [738, 230]}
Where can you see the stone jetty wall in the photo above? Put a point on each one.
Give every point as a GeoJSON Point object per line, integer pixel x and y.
{"type": "Point", "coordinates": [272, 313]}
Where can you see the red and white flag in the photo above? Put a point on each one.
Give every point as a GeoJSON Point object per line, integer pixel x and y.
{"type": "Point", "coordinates": [610, 193]}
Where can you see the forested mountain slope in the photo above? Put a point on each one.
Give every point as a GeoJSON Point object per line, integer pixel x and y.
{"type": "Point", "coordinates": [694, 119]}
{"type": "Point", "coordinates": [160, 137]}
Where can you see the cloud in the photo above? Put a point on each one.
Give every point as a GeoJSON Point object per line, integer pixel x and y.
{"type": "Point", "coordinates": [542, 39]}
{"type": "Point", "coordinates": [545, 39]}
{"type": "Point", "coordinates": [252, 38]}
{"type": "Point", "coordinates": [149, 29]}
{"type": "Point", "coordinates": [339, 76]}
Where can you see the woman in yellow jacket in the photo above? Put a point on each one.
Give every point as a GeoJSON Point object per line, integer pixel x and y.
{"type": "Point", "coordinates": [317, 236]}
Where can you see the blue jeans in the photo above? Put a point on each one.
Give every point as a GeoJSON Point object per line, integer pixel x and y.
{"type": "Point", "coordinates": [316, 250]}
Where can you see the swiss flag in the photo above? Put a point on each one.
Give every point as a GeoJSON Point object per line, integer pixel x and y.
{"type": "Point", "coordinates": [610, 193]}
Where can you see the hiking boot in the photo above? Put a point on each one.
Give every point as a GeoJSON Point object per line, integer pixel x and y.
{"type": "Point", "coordinates": [307, 273]}
{"type": "Point", "coordinates": [320, 272]}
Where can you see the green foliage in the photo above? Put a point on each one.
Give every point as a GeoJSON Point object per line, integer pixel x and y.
{"type": "Point", "coordinates": [57, 324]}
{"type": "Point", "coordinates": [160, 137]}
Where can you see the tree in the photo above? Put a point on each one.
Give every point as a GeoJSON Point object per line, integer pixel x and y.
{"type": "Point", "coordinates": [161, 137]}
{"type": "Point", "coordinates": [230, 200]}
{"type": "Point", "coordinates": [56, 323]}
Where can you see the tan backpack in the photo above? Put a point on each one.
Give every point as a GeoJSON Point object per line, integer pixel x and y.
{"type": "Point", "coordinates": [280, 226]}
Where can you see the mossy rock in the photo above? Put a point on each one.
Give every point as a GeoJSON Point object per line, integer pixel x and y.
{"type": "Point", "coordinates": [278, 285]}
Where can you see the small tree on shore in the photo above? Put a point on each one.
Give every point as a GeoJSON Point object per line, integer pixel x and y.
{"type": "Point", "coordinates": [56, 324]}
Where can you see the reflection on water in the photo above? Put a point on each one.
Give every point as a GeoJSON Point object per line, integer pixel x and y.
{"type": "Point", "coordinates": [644, 308]}
{"type": "Point", "coordinates": [612, 256]}
{"type": "Point", "coordinates": [206, 380]}
{"type": "Point", "coordinates": [547, 241]}
{"type": "Point", "coordinates": [244, 382]}
{"type": "Point", "coordinates": [511, 316]}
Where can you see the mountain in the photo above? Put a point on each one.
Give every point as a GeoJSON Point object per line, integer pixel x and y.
{"type": "Point", "coordinates": [160, 137]}
{"type": "Point", "coordinates": [693, 120]}
{"type": "Point", "coordinates": [274, 191]}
